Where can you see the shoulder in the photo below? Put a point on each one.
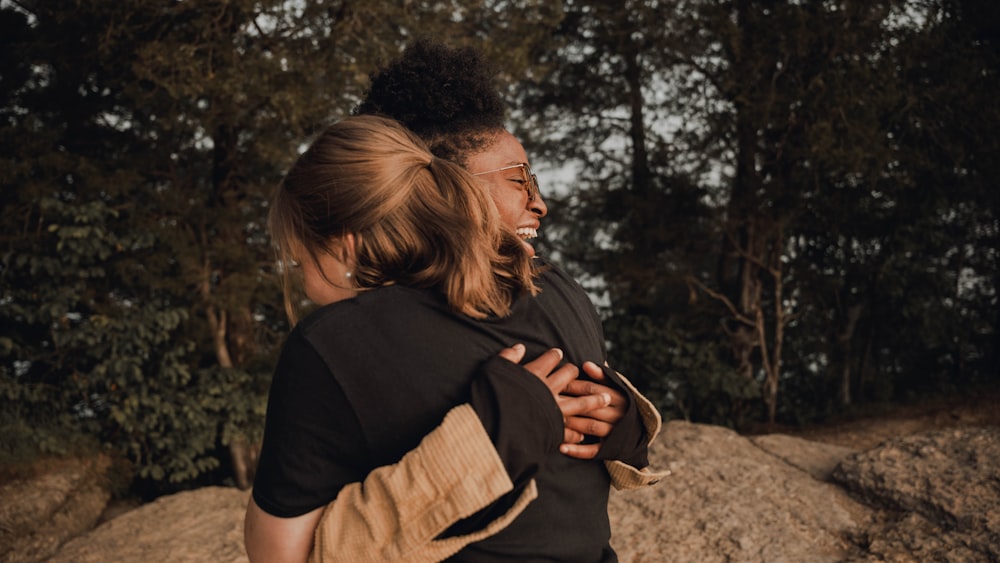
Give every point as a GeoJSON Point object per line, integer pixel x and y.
{"type": "Point", "coordinates": [376, 306]}
{"type": "Point", "coordinates": [563, 298]}
{"type": "Point", "coordinates": [553, 279]}
{"type": "Point", "coordinates": [550, 273]}
{"type": "Point", "coordinates": [382, 319]}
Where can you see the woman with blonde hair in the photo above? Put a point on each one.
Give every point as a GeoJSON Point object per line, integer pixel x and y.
{"type": "Point", "coordinates": [422, 225]}
{"type": "Point", "coordinates": [418, 283]}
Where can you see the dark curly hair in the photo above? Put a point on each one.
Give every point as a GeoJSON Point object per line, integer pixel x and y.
{"type": "Point", "coordinates": [445, 95]}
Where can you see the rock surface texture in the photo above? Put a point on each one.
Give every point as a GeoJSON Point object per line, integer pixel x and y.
{"type": "Point", "coordinates": [940, 491]}
{"type": "Point", "coordinates": [932, 496]}
{"type": "Point", "coordinates": [40, 514]}
{"type": "Point", "coordinates": [731, 498]}
{"type": "Point", "coordinates": [194, 526]}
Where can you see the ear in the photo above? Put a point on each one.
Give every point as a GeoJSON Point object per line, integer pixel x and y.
{"type": "Point", "coordinates": [348, 251]}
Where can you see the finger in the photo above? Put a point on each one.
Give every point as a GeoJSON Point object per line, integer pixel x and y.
{"type": "Point", "coordinates": [583, 387]}
{"type": "Point", "coordinates": [572, 406]}
{"type": "Point", "coordinates": [560, 378]}
{"type": "Point", "coordinates": [594, 371]}
{"type": "Point", "coordinates": [580, 451]}
{"type": "Point", "coordinates": [545, 363]}
{"type": "Point", "coordinates": [513, 354]}
{"type": "Point", "coordinates": [611, 413]}
{"type": "Point", "coordinates": [587, 425]}
{"type": "Point", "coordinates": [572, 436]}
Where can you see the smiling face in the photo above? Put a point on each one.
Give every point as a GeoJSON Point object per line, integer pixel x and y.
{"type": "Point", "coordinates": [507, 186]}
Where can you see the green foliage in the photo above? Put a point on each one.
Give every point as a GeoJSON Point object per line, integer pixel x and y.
{"type": "Point", "coordinates": [141, 141]}
{"type": "Point", "coordinates": [702, 386]}
{"type": "Point", "coordinates": [77, 362]}
{"type": "Point", "coordinates": [817, 148]}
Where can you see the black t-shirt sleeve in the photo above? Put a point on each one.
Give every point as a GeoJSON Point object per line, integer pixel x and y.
{"type": "Point", "coordinates": [519, 414]}
{"type": "Point", "coordinates": [310, 436]}
{"type": "Point", "coordinates": [524, 423]}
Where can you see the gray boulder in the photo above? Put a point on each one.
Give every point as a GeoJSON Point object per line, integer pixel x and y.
{"type": "Point", "coordinates": [775, 498]}
{"type": "Point", "coordinates": [941, 492]}
{"type": "Point", "coordinates": [730, 498]}
{"type": "Point", "coordinates": [194, 526]}
{"type": "Point", "coordinates": [39, 514]}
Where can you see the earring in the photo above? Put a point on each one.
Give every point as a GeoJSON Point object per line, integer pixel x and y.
{"type": "Point", "coordinates": [348, 274]}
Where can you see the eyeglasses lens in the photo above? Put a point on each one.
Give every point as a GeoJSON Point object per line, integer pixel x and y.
{"type": "Point", "coordinates": [530, 182]}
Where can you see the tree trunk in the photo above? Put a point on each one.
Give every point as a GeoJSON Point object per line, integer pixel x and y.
{"type": "Point", "coordinates": [641, 176]}
{"type": "Point", "coordinates": [781, 318]}
{"type": "Point", "coordinates": [844, 345]}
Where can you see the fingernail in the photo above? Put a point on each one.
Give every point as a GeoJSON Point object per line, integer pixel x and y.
{"type": "Point", "coordinates": [560, 352]}
{"type": "Point", "coordinates": [607, 398]}
{"type": "Point", "coordinates": [518, 346]}
{"type": "Point", "coordinates": [564, 449]}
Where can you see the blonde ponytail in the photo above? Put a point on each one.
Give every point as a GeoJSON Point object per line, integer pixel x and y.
{"type": "Point", "coordinates": [418, 221]}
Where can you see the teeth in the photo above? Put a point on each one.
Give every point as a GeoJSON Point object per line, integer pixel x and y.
{"type": "Point", "coordinates": [526, 232]}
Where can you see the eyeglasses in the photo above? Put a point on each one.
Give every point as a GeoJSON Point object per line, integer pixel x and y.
{"type": "Point", "coordinates": [530, 180]}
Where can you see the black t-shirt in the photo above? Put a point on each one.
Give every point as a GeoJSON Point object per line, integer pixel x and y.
{"type": "Point", "coordinates": [360, 383]}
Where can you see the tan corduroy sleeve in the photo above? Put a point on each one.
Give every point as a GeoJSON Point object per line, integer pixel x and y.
{"type": "Point", "coordinates": [624, 476]}
{"type": "Point", "coordinates": [396, 513]}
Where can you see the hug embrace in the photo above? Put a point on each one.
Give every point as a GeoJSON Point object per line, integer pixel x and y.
{"type": "Point", "coordinates": [403, 421]}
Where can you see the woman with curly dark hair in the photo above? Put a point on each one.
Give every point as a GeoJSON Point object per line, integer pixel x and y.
{"type": "Point", "coordinates": [449, 98]}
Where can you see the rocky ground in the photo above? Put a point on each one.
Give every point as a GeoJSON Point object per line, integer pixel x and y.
{"type": "Point", "coordinates": [862, 431]}
{"type": "Point", "coordinates": [905, 483]}
{"type": "Point", "coordinates": [915, 483]}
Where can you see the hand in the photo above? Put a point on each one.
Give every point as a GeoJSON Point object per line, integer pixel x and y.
{"type": "Point", "coordinates": [573, 405]}
{"type": "Point", "coordinates": [598, 422]}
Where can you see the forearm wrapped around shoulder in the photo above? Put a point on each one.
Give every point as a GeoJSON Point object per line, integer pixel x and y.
{"type": "Point", "coordinates": [399, 510]}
